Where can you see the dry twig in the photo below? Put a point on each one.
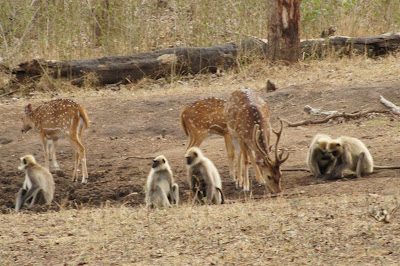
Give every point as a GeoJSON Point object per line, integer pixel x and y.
{"type": "Point", "coordinates": [333, 116]}
{"type": "Point", "coordinates": [139, 157]}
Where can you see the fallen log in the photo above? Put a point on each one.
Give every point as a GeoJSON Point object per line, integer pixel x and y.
{"type": "Point", "coordinates": [191, 60]}
{"type": "Point", "coordinates": [157, 64]}
{"type": "Point", "coordinates": [342, 45]}
{"type": "Point", "coordinates": [394, 108]}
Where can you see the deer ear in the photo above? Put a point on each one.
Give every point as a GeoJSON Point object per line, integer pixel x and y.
{"type": "Point", "coordinates": [28, 109]}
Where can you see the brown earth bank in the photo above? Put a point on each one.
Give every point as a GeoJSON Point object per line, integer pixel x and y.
{"type": "Point", "coordinates": [126, 129]}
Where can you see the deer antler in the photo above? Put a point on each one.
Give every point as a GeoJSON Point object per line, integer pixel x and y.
{"type": "Point", "coordinates": [256, 137]}
{"type": "Point", "coordinates": [278, 158]}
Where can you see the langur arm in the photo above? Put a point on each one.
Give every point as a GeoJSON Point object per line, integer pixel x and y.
{"type": "Point", "coordinates": [341, 164]}
{"type": "Point", "coordinates": [331, 166]}
{"type": "Point", "coordinates": [314, 163]}
{"type": "Point", "coordinates": [209, 180]}
{"type": "Point", "coordinates": [30, 193]}
{"type": "Point", "coordinates": [175, 194]}
{"type": "Point", "coordinates": [211, 198]}
{"type": "Point", "coordinates": [170, 178]}
{"type": "Point", "coordinates": [18, 202]}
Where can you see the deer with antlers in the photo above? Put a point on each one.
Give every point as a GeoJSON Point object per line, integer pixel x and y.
{"type": "Point", "coordinates": [207, 116]}
{"type": "Point", "coordinates": [248, 122]}
{"type": "Point", "coordinates": [58, 119]}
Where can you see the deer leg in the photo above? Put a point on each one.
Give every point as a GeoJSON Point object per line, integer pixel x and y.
{"type": "Point", "coordinates": [80, 157]}
{"type": "Point", "coordinates": [52, 151]}
{"type": "Point", "coordinates": [256, 169]}
{"type": "Point", "coordinates": [239, 180]}
{"type": "Point", "coordinates": [245, 162]}
{"type": "Point", "coordinates": [230, 150]}
{"type": "Point", "coordinates": [46, 146]}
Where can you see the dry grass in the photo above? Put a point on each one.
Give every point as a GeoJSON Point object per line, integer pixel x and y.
{"type": "Point", "coordinates": [86, 29]}
{"type": "Point", "coordinates": [324, 230]}
{"type": "Point", "coordinates": [335, 73]}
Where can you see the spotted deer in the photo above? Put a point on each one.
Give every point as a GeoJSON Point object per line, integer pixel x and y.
{"type": "Point", "coordinates": [56, 119]}
{"type": "Point", "coordinates": [203, 117]}
{"type": "Point", "coordinates": [248, 121]}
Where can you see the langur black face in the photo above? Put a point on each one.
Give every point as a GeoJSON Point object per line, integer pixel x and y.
{"type": "Point", "coordinates": [335, 153]}
{"type": "Point", "coordinates": [326, 156]}
{"type": "Point", "coordinates": [23, 164]}
{"type": "Point", "coordinates": [191, 157]}
{"type": "Point", "coordinates": [157, 163]}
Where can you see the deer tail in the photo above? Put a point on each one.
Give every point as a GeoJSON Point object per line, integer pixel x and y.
{"type": "Point", "coordinates": [183, 124]}
{"type": "Point", "coordinates": [84, 116]}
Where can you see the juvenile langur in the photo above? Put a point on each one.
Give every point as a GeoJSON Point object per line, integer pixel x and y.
{"type": "Point", "coordinates": [319, 160]}
{"type": "Point", "coordinates": [351, 154]}
{"type": "Point", "coordinates": [38, 187]}
{"type": "Point", "coordinates": [161, 190]}
{"type": "Point", "coordinates": [204, 180]}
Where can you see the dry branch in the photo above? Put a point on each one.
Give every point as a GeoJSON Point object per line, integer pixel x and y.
{"type": "Point", "coordinates": [333, 116]}
{"type": "Point", "coordinates": [140, 157]}
{"type": "Point", "coordinates": [312, 111]}
{"type": "Point", "coordinates": [394, 108]}
{"type": "Point", "coordinates": [191, 60]}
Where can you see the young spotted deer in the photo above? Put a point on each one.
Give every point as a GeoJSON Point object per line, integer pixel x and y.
{"type": "Point", "coordinates": [58, 119]}
{"type": "Point", "coordinates": [203, 117]}
{"type": "Point", "coordinates": [247, 118]}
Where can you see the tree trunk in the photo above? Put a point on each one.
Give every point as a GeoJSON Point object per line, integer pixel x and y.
{"type": "Point", "coordinates": [283, 30]}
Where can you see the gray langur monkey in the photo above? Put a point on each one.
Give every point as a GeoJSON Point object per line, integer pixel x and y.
{"type": "Point", "coordinates": [319, 160]}
{"type": "Point", "coordinates": [38, 187]}
{"type": "Point", "coordinates": [204, 179]}
{"type": "Point", "coordinates": [350, 154]}
{"type": "Point", "coordinates": [161, 190]}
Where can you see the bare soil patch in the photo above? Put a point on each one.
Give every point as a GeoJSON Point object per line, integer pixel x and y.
{"type": "Point", "coordinates": [125, 135]}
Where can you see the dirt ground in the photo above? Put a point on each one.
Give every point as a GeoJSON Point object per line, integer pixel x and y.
{"type": "Point", "coordinates": [126, 129]}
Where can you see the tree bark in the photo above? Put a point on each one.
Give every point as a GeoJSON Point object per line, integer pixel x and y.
{"type": "Point", "coordinates": [193, 60]}
{"type": "Point", "coordinates": [283, 30]}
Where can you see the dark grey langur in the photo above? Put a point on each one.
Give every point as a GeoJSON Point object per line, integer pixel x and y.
{"type": "Point", "coordinates": [204, 179]}
{"type": "Point", "coordinates": [161, 190]}
{"type": "Point", "coordinates": [319, 160]}
{"type": "Point", "coordinates": [38, 187]}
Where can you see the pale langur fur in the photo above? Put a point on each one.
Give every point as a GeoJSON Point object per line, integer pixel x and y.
{"type": "Point", "coordinates": [351, 154]}
{"type": "Point", "coordinates": [204, 179]}
{"type": "Point", "coordinates": [319, 160]}
{"type": "Point", "coordinates": [38, 187]}
{"type": "Point", "coordinates": [161, 190]}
